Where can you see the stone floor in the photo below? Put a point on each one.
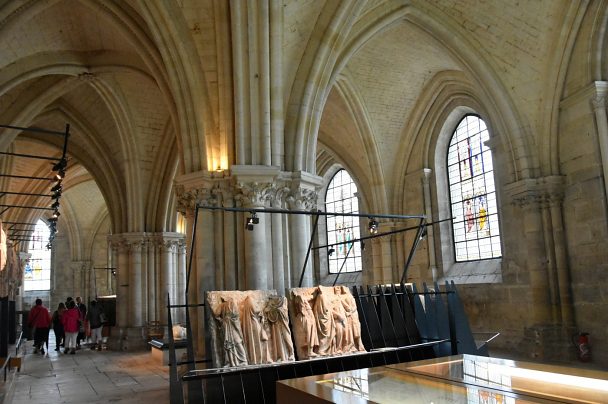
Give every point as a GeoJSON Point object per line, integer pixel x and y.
{"type": "Point", "coordinates": [90, 377]}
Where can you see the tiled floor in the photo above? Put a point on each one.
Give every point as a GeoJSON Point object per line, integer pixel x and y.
{"type": "Point", "coordinates": [90, 377]}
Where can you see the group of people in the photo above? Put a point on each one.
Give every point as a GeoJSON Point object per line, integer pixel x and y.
{"type": "Point", "coordinates": [68, 323]}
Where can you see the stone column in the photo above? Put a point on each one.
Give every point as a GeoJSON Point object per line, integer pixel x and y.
{"type": "Point", "coordinates": [122, 289]}
{"type": "Point", "coordinates": [165, 278]}
{"type": "Point", "coordinates": [428, 211]}
{"type": "Point", "coordinates": [550, 260]}
{"type": "Point", "coordinates": [230, 245]}
{"type": "Point", "coordinates": [144, 281]}
{"type": "Point", "coordinates": [152, 281]}
{"type": "Point", "coordinates": [257, 253]}
{"type": "Point", "coordinates": [561, 262]}
{"type": "Point", "coordinates": [181, 279]}
{"type": "Point", "coordinates": [601, 119]}
{"type": "Point", "coordinates": [299, 231]}
{"type": "Point", "coordinates": [527, 195]}
{"type": "Point", "coordinates": [135, 278]}
{"type": "Point", "coordinates": [278, 249]}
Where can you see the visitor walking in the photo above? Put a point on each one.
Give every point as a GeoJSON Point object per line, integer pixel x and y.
{"type": "Point", "coordinates": [58, 327]}
{"type": "Point", "coordinates": [70, 320]}
{"type": "Point", "coordinates": [40, 321]}
{"type": "Point", "coordinates": [82, 309]}
{"type": "Point", "coordinates": [94, 318]}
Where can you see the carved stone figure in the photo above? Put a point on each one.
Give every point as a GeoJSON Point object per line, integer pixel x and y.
{"type": "Point", "coordinates": [281, 347]}
{"type": "Point", "coordinates": [342, 341]}
{"type": "Point", "coordinates": [306, 322]}
{"type": "Point", "coordinates": [353, 324]}
{"type": "Point", "coordinates": [226, 313]}
{"type": "Point", "coordinates": [256, 339]}
{"type": "Point", "coordinates": [323, 310]}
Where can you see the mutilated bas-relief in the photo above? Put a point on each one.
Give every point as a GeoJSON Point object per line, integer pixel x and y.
{"type": "Point", "coordinates": [325, 321]}
{"type": "Point", "coordinates": [249, 328]}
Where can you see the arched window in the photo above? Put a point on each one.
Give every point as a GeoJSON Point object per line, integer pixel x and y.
{"type": "Point", "coordinates": [341, 198]}
{"type": "Point", "coordinates": [472, 192]}
{"type": "Point", "coordinates": [37, 274]}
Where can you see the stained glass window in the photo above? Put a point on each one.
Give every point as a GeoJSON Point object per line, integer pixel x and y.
{"type": "Point", "coordinates": [341, 198]}
{"type": "Point", "coordinates": [37, 274]}
{"type": "Point", "coordinates": [472, 192]}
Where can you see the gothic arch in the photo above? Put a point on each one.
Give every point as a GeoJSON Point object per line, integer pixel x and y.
{"type": "Point", "coordinates": [319, 84]}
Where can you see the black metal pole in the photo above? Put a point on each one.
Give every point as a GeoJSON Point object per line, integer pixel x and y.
{"type": "Point", "coordinates": [22, 193]}
{"type": "Point", "coordinates": [31, 156]}
{"type": "Point", "coordinates": [26, 207]}
{"type": "Point", "coordinates": [343, 262]}
{"type": "Point", "coordinates": [312, 237]}
{"type": "Point", "coordinates": [311, 213]}
{"type": "Point", "coordinates": [192, 248]}
{"type": "Point", "coordinates": [27, 177]}
{"type": "Point", "coordinates": [33, 129]}
{"type": "Point", "coordinates": [419, 234]}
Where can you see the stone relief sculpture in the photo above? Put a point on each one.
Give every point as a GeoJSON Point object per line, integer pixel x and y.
{"type": "Point", "coordinates": [305, 319]}
{"type": "Point", "coordinates": [325, 321]}
{"type": "Point", "coordinates": [249, 327]}
{"type": "Point", "coordinates": [353, 324]}
{"type": "Point", "coordinates": [281, 347]}
{"type": "Point", "coordinates": [323, 310]}
{"type": "Point", "coordinates": [256, 338]}
{"type": "Point", "coordinates": [226, 313]}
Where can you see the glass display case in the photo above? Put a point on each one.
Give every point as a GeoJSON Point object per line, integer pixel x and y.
{"type": "Point", "coordinates": [454, 379]}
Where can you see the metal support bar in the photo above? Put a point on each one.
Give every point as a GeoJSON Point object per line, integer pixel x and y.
{"type": "Point", "coordinates": [26, 207]}
{"type": "Point", "coordinates": [33, 129]}
{"type": "Point", "coordinates": [31, 156]}
{"type": "Point", "coordinates": [27, 177]}
{"type": "Point", "coordinates": [312, 238]}
{"type": "Point", "coordinates": [343, 262]}
{"type": "Point", "coordinates": [310, 213]}
{"type": "Point", "coordinates": [419, 236]}
{"type": "Point", "coordinates": [192, 248]}
{"type": "Point", "coordinates": [22, 193]}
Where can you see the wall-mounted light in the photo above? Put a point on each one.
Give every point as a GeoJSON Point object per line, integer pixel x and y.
{"type": "Point", "coordinates": [331, 251]}
{"type": "Point", "coordinates": [373, 226]}
{"type": "Point", "coordinates": [251, 221]}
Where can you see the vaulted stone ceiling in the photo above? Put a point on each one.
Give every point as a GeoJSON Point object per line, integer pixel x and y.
{"type": "Point", "coordinates": [71, 62]}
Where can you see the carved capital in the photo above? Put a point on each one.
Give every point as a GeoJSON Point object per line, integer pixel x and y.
{"type": "Point", "coordinates": [254, 194]}
{"type": "Point", "coordinates": [187, 200]}
{"type": "Point", "coordinates": [599, 101]}
{"type": "Point", "coordinates": [302, 199]}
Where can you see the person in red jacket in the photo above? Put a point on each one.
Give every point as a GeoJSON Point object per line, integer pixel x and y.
{"type": "Point", "coordinates": [40, 320]}
{"type": "Point", "coordinates": [70, 319]}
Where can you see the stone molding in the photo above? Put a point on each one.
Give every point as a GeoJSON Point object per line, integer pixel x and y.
{"type": "Point", "coordinates": [536, 191]}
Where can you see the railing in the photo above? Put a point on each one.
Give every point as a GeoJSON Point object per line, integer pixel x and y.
{"type": "Point", "coordinates": [6, 366]}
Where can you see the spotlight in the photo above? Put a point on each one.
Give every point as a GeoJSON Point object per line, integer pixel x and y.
{"type": "Point", "coordinates": [331, 251]}
{"type": "Point", "coordinates": [60, 174]}
{"type": "Point", "coordinates": [48, 246]}
{"type": "Point", "coordinates": [60, 165]}
{"type": "Point", "coordinates": [55, 205]}
{"type": "Point", "coordinates": [56, 214]}
{"type": "Point", "coordinates": [113, 272]}
{"type": "Point", "coordinates": [373, 226]}
{"type": "Point", "coordinates": [52, 220]}
{"type": "Point", "coordinates": [57, 187]}
{"type": "Point", "coordinates": [362, 246]}
{"type": "Point", "coordinates": [252, 220]}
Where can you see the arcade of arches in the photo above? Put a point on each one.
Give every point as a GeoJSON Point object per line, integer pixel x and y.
{"type": "Point", "coordinates": [260, 103]}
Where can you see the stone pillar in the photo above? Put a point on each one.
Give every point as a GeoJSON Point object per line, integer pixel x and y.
{"type": "Point", "coordinates": [165, 278]}
{"type": "Point", "coordinates": [152, 281]}
{"type": "Point", "coordinates": [135, 285]}
{"type": "Point", "coordinates": [257, 253]}
{"type": "Point", "coordinates": [561, 262]}
{"type": "Point", "coordinates": [428, 211]}
{"type": "Point", "coordinates": [601, 119]}
{"type": "Point", "coordinates": [181, 279]}
{"type": "Point", "coordinates": [299, 231]}
{"type": "Point", "coordinates": [230, 245]}
{"type": "Point", "coordinates": [550, 260]}
{"type": "Point", "coordinates": [278, 249]}
{"type": "Point", "coordinates": [122, 290]}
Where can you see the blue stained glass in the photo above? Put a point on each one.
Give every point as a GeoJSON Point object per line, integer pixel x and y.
{"type": "Point", "coordinates": [472, 192]}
